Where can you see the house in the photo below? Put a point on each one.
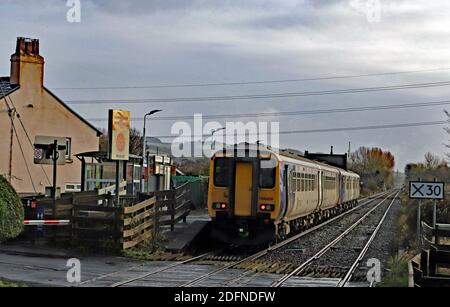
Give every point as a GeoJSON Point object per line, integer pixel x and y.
{"type": "Point", "coordinates": [28, 110]}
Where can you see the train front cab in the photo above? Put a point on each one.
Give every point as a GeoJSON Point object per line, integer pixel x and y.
{"type": "Point", "coordinates": [244, 198]}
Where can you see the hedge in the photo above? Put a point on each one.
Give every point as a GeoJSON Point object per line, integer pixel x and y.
{"type": "Point", "coordinates": [11, 211]}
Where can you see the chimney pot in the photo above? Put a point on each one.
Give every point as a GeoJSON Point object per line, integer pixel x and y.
{"type": "Point", "coordinates": [26, 55]}
{"type": "Point", "coordinates": [27, 46]}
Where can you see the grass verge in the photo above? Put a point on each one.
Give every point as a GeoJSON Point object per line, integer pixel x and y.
{"type": "Point", "coordinates": [10, 284]}
{"type": "Point", "coordinates": [398, 274]}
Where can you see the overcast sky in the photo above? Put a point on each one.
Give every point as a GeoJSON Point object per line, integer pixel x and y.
{"type": "Point", "coordinates": [145, 42]}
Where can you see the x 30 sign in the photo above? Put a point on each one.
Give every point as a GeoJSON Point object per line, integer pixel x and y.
{"type": "Point", "coordinates": [426, 190]}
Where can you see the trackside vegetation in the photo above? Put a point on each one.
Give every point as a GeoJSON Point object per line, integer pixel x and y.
{"type": "Point", "coordinates": [11, 211]}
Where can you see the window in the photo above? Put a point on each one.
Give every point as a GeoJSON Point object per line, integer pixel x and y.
{"type": "Point", "coordinates": [68, 148]}
{"type": "Point", "coordinates": [72, 187]}
{"type": "Point", "coordinates": [267, 174]}
{"type": "Point", "coordinates": [221, 172]}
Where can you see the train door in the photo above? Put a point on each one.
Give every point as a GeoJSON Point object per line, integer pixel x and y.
{"type": "Point", "coordinates": [243, 190]}
{"type": "Point", "coordinates": [320, 188]}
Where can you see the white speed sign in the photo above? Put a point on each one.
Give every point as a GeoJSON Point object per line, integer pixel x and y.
{"type": "Point", "coordinates": [426, 190]}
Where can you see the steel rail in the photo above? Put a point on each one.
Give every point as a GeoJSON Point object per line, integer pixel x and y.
{"type": "Point", "coordinates": [118, 284]}
{"type": "Point", "coordinates": [325, 249]}
{"type": "Point", "coordinates": [121, 283]}
{"type": "Point", "coordinates": [283, 243]}
{"type": "Point", "coordinates": [361, 255]}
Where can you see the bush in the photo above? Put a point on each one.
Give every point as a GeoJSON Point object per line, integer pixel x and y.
{"type": "Point", "coordinates": [11, 211]}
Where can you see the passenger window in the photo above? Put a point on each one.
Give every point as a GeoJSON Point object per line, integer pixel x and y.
{"type": "Point", "coordinates": [221, 172]}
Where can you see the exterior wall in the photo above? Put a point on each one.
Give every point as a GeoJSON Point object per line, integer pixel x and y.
{"type": "Point", "coordinates": [46, 117]}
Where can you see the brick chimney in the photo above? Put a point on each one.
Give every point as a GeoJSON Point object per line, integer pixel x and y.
{"type": "Point", "coordinates": [27, 66]}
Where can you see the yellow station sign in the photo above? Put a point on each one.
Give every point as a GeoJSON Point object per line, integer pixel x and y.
{"type": "Point", "coordinates": [119, 135]}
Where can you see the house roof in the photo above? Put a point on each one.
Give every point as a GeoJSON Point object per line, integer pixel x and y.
{"type": "Point", "coordinates": [73, 112]}
{"type": "Point", "coordinates": [5, 86]}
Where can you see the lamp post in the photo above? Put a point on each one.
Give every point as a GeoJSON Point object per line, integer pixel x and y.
{"type": "Point", "coordinates": [213, 143]}
{"type": "Point", "coordinates": [144, 146]}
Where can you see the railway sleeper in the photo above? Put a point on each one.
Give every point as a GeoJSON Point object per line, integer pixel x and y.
{"type": "Point", "coordinates": [287, 228]}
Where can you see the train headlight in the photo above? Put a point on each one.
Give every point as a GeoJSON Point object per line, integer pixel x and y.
{"type": "Point", "coordinates": [220, 206]}
{"type": "Point", "coordinates": [267, 208]}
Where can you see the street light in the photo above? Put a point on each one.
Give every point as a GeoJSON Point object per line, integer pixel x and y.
{"type": "Point", "coordinates": [144, 146]}
{"type": "Point", "coordinates": [213, 143]}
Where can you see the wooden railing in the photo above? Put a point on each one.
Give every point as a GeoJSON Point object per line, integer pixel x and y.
{"type": "Point", "coordinates": [95, 219]}
{"type": "Point", "coordinates": [143, 220]}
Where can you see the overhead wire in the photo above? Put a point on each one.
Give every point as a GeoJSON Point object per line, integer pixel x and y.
{"type": "Point", "coordinates": [336, 129]}
{"type": "Point", "coordinates": [291, 113]}
{"type": "Point", "coordinates": [263, 96]}
{"type": "Point", "coordinates": [252, 82]}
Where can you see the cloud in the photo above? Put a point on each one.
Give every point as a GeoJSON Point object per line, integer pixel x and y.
{"type": "Point", "coordinates": [179, 41]}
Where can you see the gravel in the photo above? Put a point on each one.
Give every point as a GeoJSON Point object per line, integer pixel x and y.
{"type": "Point", "coordinates": [345, 252]}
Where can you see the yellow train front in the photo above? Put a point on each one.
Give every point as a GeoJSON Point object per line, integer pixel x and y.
{"type": "Point", "coordinates": [257, 195]}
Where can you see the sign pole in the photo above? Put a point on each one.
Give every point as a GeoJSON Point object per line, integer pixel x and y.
{"type": "Point", "coordinates": [55, 163]}
{"type": "Point", "coordinates": [117, 183]}
{"type": "Point", "coordinates": [119, 144]}
{"type": "Point", "coordinates": [432, 190]}
{"type": "Point", "coordinates": [419, 223]}
{"type": "Point", "coordinates": [434, 211]}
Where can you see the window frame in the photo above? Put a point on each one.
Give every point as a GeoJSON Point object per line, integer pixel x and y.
{"type": "Point", "coordinates": [274, 172]}
{"type": "Point", "coordinates": [215, 172]}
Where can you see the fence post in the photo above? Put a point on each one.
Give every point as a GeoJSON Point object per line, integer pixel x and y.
{"type": "Point", "coordinates": [189, 192]}
{"type": "Point", "coordinates": [119, 215]}
{"type": "Point", "coordinates": [155, 221]}
{"type": "Point", "coordinates": [172, 212]}
{"type": "Point", "coordinates": [436, 236]}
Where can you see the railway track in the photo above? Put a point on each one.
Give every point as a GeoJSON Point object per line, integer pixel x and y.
{"type": "Point", "coordinates": [345, 235]}
{"type": "Point", "coordinates": [286, 242]}
{"type": "Point", "coordinates": [227, 261]}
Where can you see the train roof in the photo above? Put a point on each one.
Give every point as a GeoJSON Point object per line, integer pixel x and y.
{"type": "Point", "coordinates": [281, 155]}
{"type": "Point", "coordinates": [292, 155]}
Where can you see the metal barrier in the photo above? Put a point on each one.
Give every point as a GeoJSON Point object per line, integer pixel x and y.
{"type": "Point", "coordinates": [424, 268]}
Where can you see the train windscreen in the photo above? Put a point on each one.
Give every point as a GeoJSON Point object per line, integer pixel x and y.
{"type": "Point", "coordinates": [221, 172]}
{"type": "Point", "coordinates": [267, 174]}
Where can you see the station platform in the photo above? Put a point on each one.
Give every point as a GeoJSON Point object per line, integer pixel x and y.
{"type": "Point", "coordinates": [184, 234]}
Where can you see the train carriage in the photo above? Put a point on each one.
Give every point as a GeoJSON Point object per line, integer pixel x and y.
{"type": "Point", "coordinates": [257, 195]}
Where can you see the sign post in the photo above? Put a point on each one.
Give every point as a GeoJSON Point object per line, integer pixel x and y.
{"type": "Point", "coordinates": [434, 210]}
{"type": "Point", "coordinates": [419, 221]}
{"type": "Point", "coordinates": [51, 151]}
{"type": "Point", "coordinates": [426, 190]}
{"type": "Point", "coordinates": [119, 142]}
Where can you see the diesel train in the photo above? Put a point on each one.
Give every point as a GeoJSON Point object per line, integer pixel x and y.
{"type": "Point", "coordinates": [257, 195]}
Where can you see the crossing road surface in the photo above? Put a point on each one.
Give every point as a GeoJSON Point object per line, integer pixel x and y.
{"type": "Point", "coordinates": [106, 271]}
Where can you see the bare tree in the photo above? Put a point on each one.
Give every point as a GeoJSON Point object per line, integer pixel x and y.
{"type": "Point", "coordinates": [136, 141]}
{"type": "Point", "coordinates": [432, 161]}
